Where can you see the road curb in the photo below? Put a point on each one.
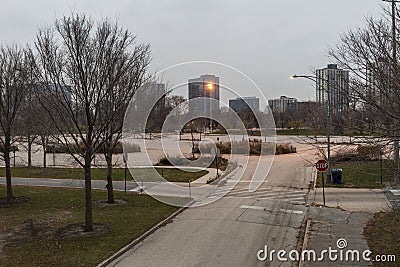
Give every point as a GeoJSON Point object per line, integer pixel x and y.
{"type": "Point", "coordinates": [305, 241]}
{"type": "Point", "coordinates": [315, 184]}
{"type": "Point", "coordinates": [142, 237]}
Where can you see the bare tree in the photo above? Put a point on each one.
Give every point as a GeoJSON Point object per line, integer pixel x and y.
{"type": "Point", "coordinates": [26, 125]}
{"type": "Point", "coordinates": [13, 77]}
{"type": "Point", "coordinates": [81, 66]}
{"type": "Point", "coordinates": [368, 53]}
{"type": "Point", "coordinates": [114, 105]}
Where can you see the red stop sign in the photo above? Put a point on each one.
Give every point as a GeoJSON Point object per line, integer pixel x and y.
{"type": "Point", "coordinates": [322, 165]}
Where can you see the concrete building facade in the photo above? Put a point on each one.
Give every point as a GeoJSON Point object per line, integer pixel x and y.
{"type": "Point", "coordinates": [282, 104]}
{"type": "Point", "coordinates": [244, 104]}
{"type": "Point", "coordinates": [206, 86]}
{"type": "Point", "coordinates": [335, 81]}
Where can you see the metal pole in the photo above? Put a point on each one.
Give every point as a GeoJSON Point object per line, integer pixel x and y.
{"type": "Point", "coordinates": [394, 31]}
{"type": "Point", "coordinates": [394, 55]}
{"type": "Point", "coordinates": [125, 177]}
{"type": "Point", "coordinates": [381, 165]}
{"type": "Point", "coordinates": [125, 158]}
{"type": "Point", "coordinates": [216, 156]}
{"type": "Point", "coordinates": [54, 156]}
{"type": "Point", "coordinates": [327, 112]}
{"type": "Point", "coordinates": [190, 191]}
{"type": "Point", "coordinates": [394, 44]}
{"type": "Point", "coordinates": [323, 187]}
{"type": "Point", "coordinates": [329, 131]}
{"type": "Point", "coordinates": [211, 122]}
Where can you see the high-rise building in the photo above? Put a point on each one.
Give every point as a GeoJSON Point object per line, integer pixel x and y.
{"type": "Point", "coordinates": [335, 81]}
{"type": "Point", "coordinates": [206, 86]}
{"type": "Point", "coordinates": [245, 104]}
{"type": "Point", "coordinates": [282, 104]}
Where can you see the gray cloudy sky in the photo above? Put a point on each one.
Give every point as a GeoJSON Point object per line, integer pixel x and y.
{"type": "Point", "coordinates": [267, 40]}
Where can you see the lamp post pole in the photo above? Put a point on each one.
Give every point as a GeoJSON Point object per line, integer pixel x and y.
{"type": "Point", "coordinates": [327, 114]}
{"type": "Point", "coordinates": [210, 87]}
{"type": "Point", "coordinates": [394, 55]}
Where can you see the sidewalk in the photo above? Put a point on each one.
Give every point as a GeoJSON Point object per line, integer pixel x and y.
{"type": "Point", "coordinates": [351, 199]}
{"type": "Point", "coordinates": [68, 183]}
{"type": "Point", "coordinates": [346, 213]}
{"type": "Point", "coordinates": [339, 230]}
{"type": "Point", "coordinates": [197, 190]}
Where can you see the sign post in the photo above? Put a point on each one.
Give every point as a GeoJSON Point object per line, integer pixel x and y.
{"type": "Point", "coordinates": [126, 167]}
{"type": "Point", "coordinates": [322, 165]}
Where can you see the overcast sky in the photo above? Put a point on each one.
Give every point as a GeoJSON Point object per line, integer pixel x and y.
{"type": "Point", "coordinates": [267, 40]}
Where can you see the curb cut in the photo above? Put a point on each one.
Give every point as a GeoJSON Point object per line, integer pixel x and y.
{"type": "Point", "coordinates": [142, 237]}
{"type": "Point", "coordinates": [305, 241]}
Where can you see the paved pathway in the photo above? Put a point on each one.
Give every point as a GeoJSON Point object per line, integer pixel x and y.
{"type": "Point", "coordinates": [339, 230]}
{"type": "Point", "coordinates": [344, 218]}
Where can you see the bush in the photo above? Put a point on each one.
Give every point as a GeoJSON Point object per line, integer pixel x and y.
{"type": "Point", "coordinates": [361, 153]}
{"type": "Point", "coordinates": [60, 148]}
{"type": "Point", "coordinates": [285, 149]}
{"type": "Point", "coordinates": [369, 152]}
{"type": "Point", "coordinates": [201, 163]}
{"type": "Point", "coordinates": [242, 147]}
{"type": "Point", "coordinates": [164, 161]}
{"type": "Point", "coordinates": [130, 148]}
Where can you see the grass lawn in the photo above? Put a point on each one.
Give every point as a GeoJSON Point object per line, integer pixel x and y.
{"type": "Point", "coordinates": [383, 235]}
{"type": "Point", "coordinates": [361, 174]}
{"type": "Point", "coordinates": [172, 175]}
{"type": "Point", "coordinates": [48, 209]}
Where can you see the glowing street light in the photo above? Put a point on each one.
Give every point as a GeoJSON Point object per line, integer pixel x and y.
{"type": "Point", "coordinates": [210, 86]}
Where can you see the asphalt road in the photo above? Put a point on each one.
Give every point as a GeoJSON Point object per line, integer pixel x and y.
{"type": "Point", "coordinates": [232, 230]}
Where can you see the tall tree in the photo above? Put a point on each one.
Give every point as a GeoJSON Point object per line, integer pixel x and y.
{"type": "Point", "coordinates": [81, 65]}
{"type": "Point", "coordinates": [115, 105]}
{"type": "Point", "coordinates": [13, 85]}
{"type": "Point", "coordinates": [368, 53]}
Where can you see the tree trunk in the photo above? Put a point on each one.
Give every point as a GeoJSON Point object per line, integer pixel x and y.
{"type": "Point", "coordinates": [88, 193]}
{"type": "Point", "coordinates": [44, 145]}
{"type": "Point", "coordinates": [110, 189]}
{"type": "Point", "coordinates": [7, 161]}
{"type": "Point", "coordinates": [30, 141]}
{"type": "Point", "coordinates": [396, 161]}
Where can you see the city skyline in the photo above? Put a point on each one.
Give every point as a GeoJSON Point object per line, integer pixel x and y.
{"type": "Point", "coordinates": [268, 41]}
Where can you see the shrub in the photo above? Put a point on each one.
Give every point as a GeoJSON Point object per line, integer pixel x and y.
{"type": "Point", "coordinates": [203, 162]}
{"type": "Point", "coordinates": [253, 147]}
{"type": "Point", "coordinates": [360, 153]}
{"type": "Point", "coordinates": [369, 152]}
{"type": "Point", "coordinates": [285, 149]}
{"type": "Point", "coordinates": [130, 148]}
{"type": "Point", "coordinates": [164, 161]}
{"type": "Point", "coordinates": [60, 148]}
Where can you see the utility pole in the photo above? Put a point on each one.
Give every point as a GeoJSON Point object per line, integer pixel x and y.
{"type": "Point", "coordinates": [394, 73]}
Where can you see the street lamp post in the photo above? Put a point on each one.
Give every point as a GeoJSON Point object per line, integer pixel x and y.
{"type": "Point", "coordinates": [327, 115]}
{"type": "Point", "coordinates": [210, 87]}
{"type": "Point", "coordinates": [394, 56]}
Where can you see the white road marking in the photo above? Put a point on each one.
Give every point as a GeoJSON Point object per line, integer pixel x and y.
{"type": "Point", "coordinates": [263, 208]}
{"type": "Point", "coordinates": [395, 192]}
{"type": "Point", "coordinates": [252, 207]}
